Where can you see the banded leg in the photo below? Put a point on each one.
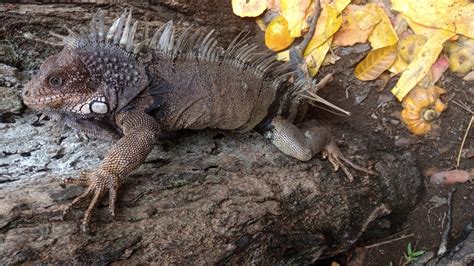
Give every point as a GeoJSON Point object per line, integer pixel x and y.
{"type": "Point", "coordinates": [305, 145]}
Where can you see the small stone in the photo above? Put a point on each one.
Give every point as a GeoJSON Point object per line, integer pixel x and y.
{"type": "Point", "coordinates": [443, 149]}
{"type": "Point", "coordinates": [407, 141]}
{"type": "Point", "coordinates": [396, 114]}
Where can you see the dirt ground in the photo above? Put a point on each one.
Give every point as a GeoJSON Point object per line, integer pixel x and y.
{"type": "Point", "coordinates": [377, 123]}
{"type": "Point", "coordinates": [375, 114]}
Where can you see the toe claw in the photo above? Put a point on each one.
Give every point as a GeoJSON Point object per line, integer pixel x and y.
{"type": "Point", "coordinates": [98, 184]}
{"type": "Point", "coordinates": [337, 159]}
{"type": "Point", "coordinates": [88, 213]}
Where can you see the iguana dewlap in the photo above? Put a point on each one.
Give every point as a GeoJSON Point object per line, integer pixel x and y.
{"type": "Point", "coordinates": [106, 85]}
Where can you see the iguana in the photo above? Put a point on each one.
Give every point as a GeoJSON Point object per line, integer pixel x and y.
{"type": "Point", "coordinates": [107, 85]}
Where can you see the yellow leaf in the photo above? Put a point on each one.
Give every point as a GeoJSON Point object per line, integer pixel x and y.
{"type": "Point", "coordinates": [451, 15]}
{"type": "Point", "coordinates": [277, 35]}
{"type": "Point", "coordinates": [376, 62]}
{"type": "Point", "coordinates": [248, 8]}
{"type": "Point", "coordinates": [398, 66]}
{"type": "Point", "coordinates": [418, 28]}
{"type": "Point", "coordinates": [316, 58]}
{"type": "Point", "coordinates": [294, 12]}
{"type": "Point", "coordinates": [328, 23]}
{"type": "Point", "coordinates": [420, 66]}
{"type": "Point", "coordinates": [261, 24]}
{"type": "Point", "coordinates": [383, 34]}
{"type": "Point", "coordinates": [331, 59]}
{"type": "Point", "coordinates": [284, 55]}
{"type": "Point", "coordinates": [340, 5]}
{"type": "Point", "coordinates": [357, 23]}
{"type": "Point", "coordinates": [465, 21]}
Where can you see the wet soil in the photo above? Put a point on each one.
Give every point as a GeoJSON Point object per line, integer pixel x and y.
{"type": "Point", "coordinates": [374, 121]}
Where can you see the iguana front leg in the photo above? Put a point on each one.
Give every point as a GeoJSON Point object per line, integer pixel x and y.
{"type": "Point", "coordinates": [304, 145]}
{"type": "Point", "coordinates": [140, 133]}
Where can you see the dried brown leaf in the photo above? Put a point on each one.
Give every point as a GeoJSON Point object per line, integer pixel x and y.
{"type": "Point", "coordinates": [376, 62]}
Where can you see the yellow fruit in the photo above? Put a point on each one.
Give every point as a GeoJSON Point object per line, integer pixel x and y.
{"type": "Point", "coordinates": [451, 46]}
{"type": "Point", "coordinates": [277, 35]}
{"type": "Point", "coordinates": [466, 42]}
{"type": "Point", "coordinates": [410, 46]}
{"type": "Point", "coordinates": [461, 60]}
{"type": "Point", "coordinates": [421, 107]}
{"type": "Point", "coordinates": [249, 8]}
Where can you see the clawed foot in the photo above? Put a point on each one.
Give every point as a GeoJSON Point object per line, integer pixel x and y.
{"type": "Point", "coordinates": [98, 184]}
{"type": "Point", "coordinates": [338, 160]}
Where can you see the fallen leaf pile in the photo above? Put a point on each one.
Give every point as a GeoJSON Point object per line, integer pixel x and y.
{"type": "Point", "coordinates": [418, 40]}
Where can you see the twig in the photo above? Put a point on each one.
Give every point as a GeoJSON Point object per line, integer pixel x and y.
{"type": "Point", "coordinates": [464, 141]}
{"type": "Point", "coordinates": [467, 109]}
{"type": "Point", "coordinates": [463, 106]}
{"type": "Point", "coordinates": [328, 78]}
{"type": "Point", "coordinates": [388, 241]}
{"type": "Point", "coordinates": [444, 239]}
{"type": "Point", "coordinates": [313, 96]}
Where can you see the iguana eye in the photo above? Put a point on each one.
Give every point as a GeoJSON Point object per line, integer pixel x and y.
{"type": "Point", "coordinates": [55, 81]}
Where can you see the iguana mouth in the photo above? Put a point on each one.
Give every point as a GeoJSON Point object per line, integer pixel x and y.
{"type": "Point", "coordinates": [53, 101]}
{"type": "Point", "coordinates": [50, 102]}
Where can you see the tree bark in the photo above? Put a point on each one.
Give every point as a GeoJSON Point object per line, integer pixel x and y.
{"type": "Point", "coordinates": [227, 199]}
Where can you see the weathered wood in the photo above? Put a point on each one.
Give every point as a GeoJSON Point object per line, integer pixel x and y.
{"type": "Point", "coordinates": [234, 199]}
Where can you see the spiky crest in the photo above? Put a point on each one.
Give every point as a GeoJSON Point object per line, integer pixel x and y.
{"type": "Point", "coordinates": [190, 44]}
{"type": "Point", "coordinates": [199, 46]}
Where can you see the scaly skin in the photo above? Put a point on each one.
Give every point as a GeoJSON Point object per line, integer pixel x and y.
{"type": "Point", "coordinates": [108, 86]}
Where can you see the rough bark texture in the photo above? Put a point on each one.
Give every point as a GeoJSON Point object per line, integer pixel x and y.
{"type": "Point", "coordinates": [202, 198]}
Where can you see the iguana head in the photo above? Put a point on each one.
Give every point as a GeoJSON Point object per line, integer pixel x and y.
{"type": "Point", "coordinates": [94, 75]}
{"type": "Point", "coordinates": [64, 84]}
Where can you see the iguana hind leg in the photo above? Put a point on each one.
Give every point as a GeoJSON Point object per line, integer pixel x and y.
{"type": "Point", "coordinates": [304, 145]}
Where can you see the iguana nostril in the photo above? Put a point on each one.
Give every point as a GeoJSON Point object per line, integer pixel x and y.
{"type": "Point", "coordinates": [26, 93]}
